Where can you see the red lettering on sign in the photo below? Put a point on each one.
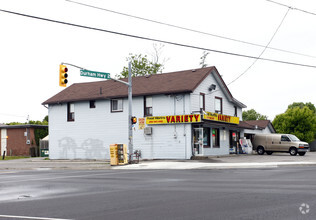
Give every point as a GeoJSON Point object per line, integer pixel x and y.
{"type": "Point", "coordinates": [178, 119]}
{"type": "Point", "coordinates": [191, 116]}
{"type": "Point", "coordinates": [172, 119]}
{"type": "Point", "coordinates": [186, 118]}
{"type": "Point", "coordinates": [168, 119]}
{"type": "Point", "coordinates": [196, 117]}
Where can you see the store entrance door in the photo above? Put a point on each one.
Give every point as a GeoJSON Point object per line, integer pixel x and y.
{"type": "Point", "coordinates": [198, 141]}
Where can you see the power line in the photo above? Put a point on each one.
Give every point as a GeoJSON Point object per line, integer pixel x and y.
{"type": "Point", "coordinates": [157, 40]}
{"type": "Point", "coordinates": [263, 49]}
{"type": "Point", "coordinates": [188, 29]}
{"type": "Point", "coordinates": [293, 8]}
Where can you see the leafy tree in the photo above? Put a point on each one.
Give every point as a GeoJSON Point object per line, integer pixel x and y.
{"type": "Point", "coordinates": [298, 121]}
{"type": "Point", "coordinates": [302, 105]}
{"type": "Point", "coordinates": [252, 115]}
{"type": "Point", "coordinates": [141, 66]}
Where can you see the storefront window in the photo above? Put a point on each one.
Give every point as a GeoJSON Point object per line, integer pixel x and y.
{"type": "Point", "coordinates": [206, 137]}
{"type": "Point", "coordinates": [215, 137]}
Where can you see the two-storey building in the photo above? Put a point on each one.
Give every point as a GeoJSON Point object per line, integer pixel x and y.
{"type": "Point", "coordinates": [180, 115]}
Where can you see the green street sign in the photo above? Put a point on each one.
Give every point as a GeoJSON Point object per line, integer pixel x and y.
{"type": "Point", "coordinates": [94, 74]}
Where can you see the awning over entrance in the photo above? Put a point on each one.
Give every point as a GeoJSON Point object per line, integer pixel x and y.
{"type": "Point", "coordinates": [207, 123]}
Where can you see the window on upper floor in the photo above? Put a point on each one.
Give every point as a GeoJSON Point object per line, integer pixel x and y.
{"type": "Point", "coordinates": [116, 105]}
{"type": "Point", "coordinates": [92, 104]}
{"type": "Point", "coordinates": [235, 113]}
{"type": "Point", "coordinates": [148, 106]}
{"type": "Point", "coordinates": [70, 111]}
{"type": "Point", "coordinates": [202, 101]}
{"type": "Point", "coordinates": [218, 105]}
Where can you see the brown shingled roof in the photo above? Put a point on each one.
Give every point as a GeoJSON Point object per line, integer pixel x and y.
{"type": "Point", "coordinates": [261, 124]}
{"type": "Point", "coordinates": [167, 83]}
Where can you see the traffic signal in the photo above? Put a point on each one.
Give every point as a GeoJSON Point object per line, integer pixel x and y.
{"type": "Point", "coordinates": [134, 120]}
{"type": "Point", "coordinates": [63, 75]}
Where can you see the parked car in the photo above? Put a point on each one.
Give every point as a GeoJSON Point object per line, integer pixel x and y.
{"type": "Point", "coordinates": [286, 143]}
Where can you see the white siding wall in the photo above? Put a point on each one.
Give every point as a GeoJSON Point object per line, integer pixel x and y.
{"type": "Point", "coordinates": [166, 141]}
{"type": "Point", "coordinates": [3, 141]}
{"type": "Point", "coordinates": [228, 107]}
{"type": "Point", "coordinates": [89, 136]}
{"type": "Point", "coordinates": [94, 129]}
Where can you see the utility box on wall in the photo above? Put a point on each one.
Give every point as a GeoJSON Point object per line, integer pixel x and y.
{"type": "Point", "coordinates": [148, 130]}
{"type": "Point", "coordinates": [118, 154]}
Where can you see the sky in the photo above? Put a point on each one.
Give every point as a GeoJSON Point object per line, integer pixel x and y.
{"type": "Point", "coordinates": [31, 49]}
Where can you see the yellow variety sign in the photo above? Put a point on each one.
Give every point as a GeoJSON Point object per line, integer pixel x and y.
{"type": "Point", "coordinates": [173, 119]}
{"type": "Point", "coordinates": [222, 118]}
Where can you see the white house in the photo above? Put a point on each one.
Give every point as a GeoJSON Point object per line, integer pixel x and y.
{"type": "Point", "coordinates": [253, 127]}
{"type": "Point", "coordinates": [180, 115]}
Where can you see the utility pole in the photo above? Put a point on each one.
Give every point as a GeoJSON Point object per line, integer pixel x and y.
{"type": "Point", "coordinates": [130, 112]}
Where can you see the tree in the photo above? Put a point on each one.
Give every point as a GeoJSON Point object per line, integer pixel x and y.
{"type": "Point", "coordinates": [142, 66]}
{"type": "Point", "coordinates": [302, 105]}
{"type": "Point", "coordinates": [38, 133]}
{"type": "Point", "coordinates": [252, 115]}
{"type": "Point", "coordinates": [203, 59]}
{"type": "Point", "coordinates": [298, 121]}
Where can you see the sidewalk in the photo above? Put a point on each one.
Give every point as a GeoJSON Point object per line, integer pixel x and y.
{"type": "Point", "coordinates": [229, 162]}
{"type": "Point", "coordinates": [214, 162]}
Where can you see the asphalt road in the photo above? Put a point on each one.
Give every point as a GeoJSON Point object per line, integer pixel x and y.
{"type": "Point", "coordinates": [276, 193]}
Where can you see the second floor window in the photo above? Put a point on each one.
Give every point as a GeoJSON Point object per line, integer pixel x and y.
{"type": "Point", "coordinates": [202, 101]}
{"type": "Point", "coordinates": [218, 105]}
{"type": "Point", "coordinates": [92, 104]}
{"type": "Point", "coordinates": [116, 105]}
{"type": "Point", "coordinates": [148, 106]}
{"type": "Point", "coordinates": [70, 112]}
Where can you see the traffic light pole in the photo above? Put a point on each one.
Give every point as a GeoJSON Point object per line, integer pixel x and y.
{"type": "Point", "coordinates": [130, 112]}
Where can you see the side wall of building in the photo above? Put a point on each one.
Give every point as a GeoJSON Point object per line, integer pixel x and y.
{"type": "Point", "coordinates": [94, 129]}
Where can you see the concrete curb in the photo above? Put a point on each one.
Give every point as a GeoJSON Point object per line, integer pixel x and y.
{"type": "Point", "coordinates": [199, 165]}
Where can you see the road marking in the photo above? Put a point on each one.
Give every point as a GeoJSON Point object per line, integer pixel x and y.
{"type": "Point", "coordinates": [28, 217]}
{"type": "Point", "coordinates": [77, 176]}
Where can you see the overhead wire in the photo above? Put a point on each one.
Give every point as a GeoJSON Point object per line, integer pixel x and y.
{"type": "Point", "coordinates": [253, 63]}
{"type": "Point", "coordinates": [188, 29]}
{"type": "Point", "coordinates": [156, 40]}
{"type": "Point", "coordinates": [291, 7]}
